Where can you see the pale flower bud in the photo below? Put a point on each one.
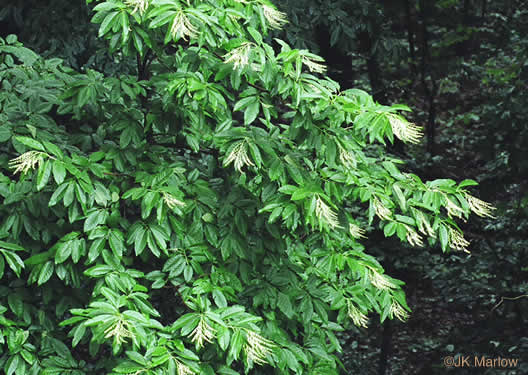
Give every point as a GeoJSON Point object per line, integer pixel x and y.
{"type": "Point", "coordinates": [397, 311]}
{"type": "Point", "coordinates": [27, 161]}
{"type": "Point", "coordinates": [275, 18]}
{"type": "Point", "coordinates": [181, 26]}
{"type": "Point", "coordinates": [257, 348]}
{"type": "Point", "coordinates": [457, 240]}
{"type": "Point", "coordinates": [202, 333]}
{"type": "Point", "coordinates": [358, 317]}
{"type": "Point", "coordinates": [479, 207]}
{"type": "Point", "coordinates": [239, 156]}
{"type": "Point", "coordinates": [325, 214]}
{"type": "Point", "coordinates": [404, 130]}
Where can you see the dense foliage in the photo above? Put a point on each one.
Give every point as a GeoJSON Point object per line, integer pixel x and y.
{"type": "Point", "coordinates": [205, 213]}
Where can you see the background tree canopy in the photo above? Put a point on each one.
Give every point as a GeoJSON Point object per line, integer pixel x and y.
{"type": "Point", "coordinates": [186, 191]}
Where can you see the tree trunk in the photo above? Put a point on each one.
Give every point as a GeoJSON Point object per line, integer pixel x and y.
{"type": "Point", "coordinates": [410, 36]}
{"type": "Point", "coordinates": [386, 348]}
{"type": "Point", "coordinates": [429, 91]}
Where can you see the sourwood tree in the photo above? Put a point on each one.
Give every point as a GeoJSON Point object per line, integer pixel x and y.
{"type": "Point", "coordinates": [204, 215]}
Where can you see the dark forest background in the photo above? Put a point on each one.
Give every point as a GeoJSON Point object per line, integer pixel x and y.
{"type": "Point", "coordinates": [462, 65]}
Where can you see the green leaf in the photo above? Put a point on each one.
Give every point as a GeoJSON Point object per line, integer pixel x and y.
{"type": "Point", "coordinates": [78, 334]}
{"type": "Point", "coordinates": [63, 252]}
{"type": "Point", "coordinates": [99, 270]}
{"type": "Point", "coordinates": [59, 171]}
{"type": "Point", "coordinates": [43, 175]}
{"type": "Point", "coordinates": [219, 298]}
{"type": "Point", "coordinates": [5, 133]}
{"type": "Point", "coordinates": [108, 23]}
{"type": "Point", "coordinates": [13, 260]}
{"type": "Point", "coordinates": [188, 322]}
{"type": "Point", "coordinates": [12, 364]}
{"type": "Point", "coordinates": [389, 229]}
{"type": "Point", "coordinates": [224, 336]}
{"type": "Point", "coordinates": [141, 241]}
{"type": "Point", "coordinates": [95, 218]}
{"type": "Point", "coordinates": [31, 143]}
{"type": "Point", "coordinates": [301, 194]}
{"type": "Point", "coordinates": [467, 182]}
{"type": "Point", "coordinates": [45, 273]}
{"type": "Point", "coordinates": [68, 194]}
{"type": "Point", "coordinates": [251, 112]}
{"type": "Point", "coordinates": [117, 243]}
{"type": "Point", "coordinates": [58, 194]}
{"type": "Point", "coordinates": [255, 34]}
{"type": "Point", "coordinates": [85, 96]}
{"type": "Point", "coordinates": [16, 304]}
{"type": "Point", "coordinates": [400, 196]}
{"type": "Point", "coordinates": [284, 304]}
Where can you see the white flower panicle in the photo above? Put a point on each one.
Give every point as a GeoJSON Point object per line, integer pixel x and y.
{"type": "Point", "coordinates": [313, 65]}
{"type": "Point", "coordinates": [181, 26]}
{"type": "Point", "coordinates": [325, 213]}
{"type": "Point", "coordinates": [27, 161]}
{"type": "Point", "coordinates": [452, 208]}
{"type": "Point", "coordinates": [479, 207]}
{"type": "Point", "coordinates": [120, 331]}
{"type": "Point", "coordinates": [202, 333]}
{"type": "Point", "coordinates": [383, 212]}
{"type": "Point", "coordinates": [423, 224]}
{"type": "Point", "coordinates": [139, 6]}
{"type": "Point", "coordinates": [239, 56]}
{"type": "Point", "coordinates": [457, 240]}
{"type": "Point", "coordinates": [257, 348]}
{"type": "Point", "coordinates": [183, 369]}
{"type": "Point", "coordinates": [172, 202]}
{"type": "Point", "coordinates": [405, 130]}
{"type": "Point", "coordinates": [358, 317]}
{"type": "Point", "coordinates": [239, 156]}
{"type": "Point", "coordinates": [356, 231]}
{"type": "Point", "coordinates": [347, 158]}
{"type": "Point", "coordinates": [276, 19]}
{"type": "Point", "coordinates": [413, 238]}
{"type": "Point", "coordinates": [397, 311]}
{"type": "Point", "coordinates": [380, 281]}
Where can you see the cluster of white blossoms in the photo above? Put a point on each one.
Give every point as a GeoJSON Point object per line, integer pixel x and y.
{"type": "Point", "coordinates": [383, 212]}
{"type": "Point", "coordinates": [379, 280]}
{"type": "Point", "coordinates": [27, 161]}
{"type": "Point", "coordinates": [239, 156]}
{"type": "Point", "coordinates": [397, 311]}
{"type": "Point", "coordinates": [257, 348]}
{"type": "Point", "coordinates": [404, 130]}
{"type": "Point", "coordinates": [347, 158]}
{"type": "Point", "coordinates": [276, 19]}
{"type": "Point", "coordinates": [139, 6]}
{"type": "Point", "coordinates": [202, 333]}
{"type": "Point", "coordinates": [325, 214]}
{"type": "Point", "coordinates": [423, 224]}
{"type": "Point", "coordinates": [120, 331]}
{"type": "Point", "coordinates": [313, 65]}
{"type": "Point", "coordinates": [452, 208]}
{"type": "Point", "coordinates": [172, 202]}
{"type": "Point", "coordinates": [356, 231]}
{"type": "Point", "coordinates": [479, 207]}
{"type": "Point", "coordinates": [181, 26]}
{"type": "Point", "coordinates": [183, 369]}
{"type": "Point", "coordinates": [413, 237]}
{"type": "Point", "coordinates": [358, 317]}
{"type": "Point", "coordinates": [239, 56]}
{"type": "Point", "coordinates": [457, 240]}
